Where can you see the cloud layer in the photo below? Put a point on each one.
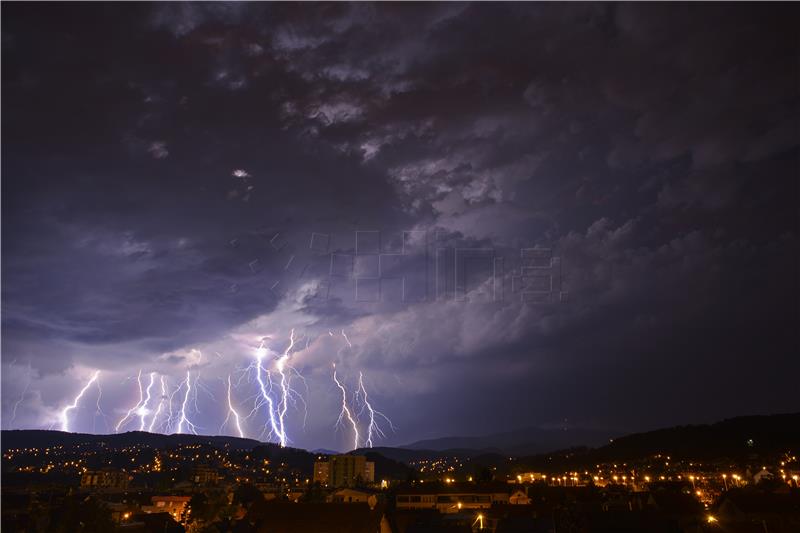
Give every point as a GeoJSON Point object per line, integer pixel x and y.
{"type": "Point", "coordinates": [184, 181]}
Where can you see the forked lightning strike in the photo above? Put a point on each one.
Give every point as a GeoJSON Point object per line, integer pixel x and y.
{"type": "Point", "coordinates": [345, 411]}
{"type": "Point", "coordinates": [373, 428]}
{"type": "Point", "coordinates": [143, 411]}
{"type": "Point", "coordinates": [266, 397]}
{"type": "Point", "coordinates": [135, 407]}
{"type": "Point", "coordinates": [74, 404]}
{"type": "Point", "coordinates": [157, 411]}
{"type": "Point", "coordinates": [160, 407]}
{"type": "Point", "coordinates": [185, 419]}
{"type": "Point", "coordinates": [232, 411]}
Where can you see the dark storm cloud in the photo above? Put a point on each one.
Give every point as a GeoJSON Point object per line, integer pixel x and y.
{"type": "Point", "coordinates": [165, 166]}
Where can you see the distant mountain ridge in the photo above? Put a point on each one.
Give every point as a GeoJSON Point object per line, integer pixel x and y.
{"type": "Point", "coordinates": [524, 441]}
{"type": "Point", "coordinates": [39, 438]}
{"type": "Point", "coordinates": [740, 435]}
{"type": "Point", "coordinates": [735, 438]}
{"type": "Point", "coordinates": [732, 437]}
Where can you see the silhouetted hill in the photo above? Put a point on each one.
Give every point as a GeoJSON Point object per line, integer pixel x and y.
{"type": "Point", "coordinates": [525, 441]}
{"type": "Point", "coordinates": [39, 438]}
{"type": "Point", "coordinates": [324, 451]}
{"type": "Point", "coordinates": [732, 437]}
{"type": "Point", "coordinates": [735, 438]}
{"type": "Point", "coordinates": [406, 456]}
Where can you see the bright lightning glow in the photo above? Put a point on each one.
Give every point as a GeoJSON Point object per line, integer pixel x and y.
{"type": "Point", "coordinates": [171, 417]}
{"type": "Point", "coordinates": [374, 428]}
{"type": "Point", "coordinates": [74, 404]}
{"type": "Point", "coordinates": [284, 403]}
{"type": "Point", "coordinates": [143, 411]}
{"type": "Point", "coordinates": [99, 411]}
{"type": "Point", "coordinates": [135, 407]}
{"type": "Point", "coordinates": [275, 394]}
{"type": "Point", "coordinates": [345, 412]}
{"type": "Point", "coordinates": [184, 418]}
{"type": "Point", "coordinates": [160, 407]}
{"type": "Point", "coordinates": [261, 352]}
{"type": "Point", "coordinates": [232, 411]}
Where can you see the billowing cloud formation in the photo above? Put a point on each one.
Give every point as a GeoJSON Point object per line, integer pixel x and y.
{"type": "Point", "coordinates": [184, 182]}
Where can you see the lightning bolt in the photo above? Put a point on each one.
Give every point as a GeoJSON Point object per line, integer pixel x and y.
{"type": "Point", "coordinates": [160, 407]}
{"type": "Point", "coordinates": [373, 428]}
{"type": "Point", "coordinates": [273, 373]}
{"type": "Point", "coordinates": [345, 412]}
{"type": "Point", "coordinates": [283, 405]}
{"type": "Point", "coordinates": [232, 411]}
{"type": "Point", "coordinates": [261, 352]}
{"type": "Point", "coordinates": [143, 411]}
{"type": "Point", "coordinates": [99, 410]}
{"type": "Point", "coordinates": [184, 418]}
{"type": "Point", "coordinates": [74, 404]}
{"type": "Point", "coordinates": [346, 339]}
{"type": "Point", "coordinates": [21, 396]}
{"type": "Point", "coordinates": [135, 407]}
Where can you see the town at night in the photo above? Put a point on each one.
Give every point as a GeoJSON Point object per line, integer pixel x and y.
{"type": "Point", "coordinates": [399, 267]}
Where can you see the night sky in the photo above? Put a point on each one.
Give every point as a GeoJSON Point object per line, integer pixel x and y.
{"type": "Point", "coordinates": [555, 215]}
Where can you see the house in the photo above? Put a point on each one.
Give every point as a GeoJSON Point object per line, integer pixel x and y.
{"type": "Point", "coordinates": [519, 497]}
{"type": "Point", "coordinates": [346, 495]}
{"type": "Point", "coordinates": [105, 479]}
{"type": "Point", "coordinates": [776, 509]}
{"type": "Point", "coordinates": [161, 522]}
{"type": "Point", "coordinates": [763, 475]}
{"type": "Point", "coordinates": [174, 505]}
{"type": "Point", "coordinates": [452, 497]}
{"type": "Point", "coordinates": [285, 517]}
{"type": "Point", "coordinates": [678, 506]}
{"type": "Point", "coordinates": [205, 475]}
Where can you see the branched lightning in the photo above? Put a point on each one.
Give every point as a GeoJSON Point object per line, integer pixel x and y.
{"type": "Point", "coordinates": [135, 407]}
{"type": "Point", "coordinates": [74, 404]}
{"type": "Point", "coordinates": [276, 407]}
{"type": "Point", "coordinates": [285, 386]}
{"type": "Point", "coordinates": [268, 380]}
{"type": "Point", "coordinates": [345, 411]}
{"type": "Point", "coordinates": [162, 399]}
{"type": "Point", "coordinates": [373, 428]}
{"type": "Point", "coordinates": [232, 411]}
{"type": "Point", "coordinates": [143, 411]}
{"type": "Point", "coordinates": [99, 410]}
{"type": "Point", "coordinates": [184, 419]}
{"type": "Point", "coordinates": [266, 397]}
{"type": "Point", "coordinates": [172, 415]}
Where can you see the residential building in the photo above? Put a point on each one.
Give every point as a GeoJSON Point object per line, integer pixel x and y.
{"type": "Point", "coordinates": [452, 498]}
{"type": "Point", "coordinates": [105, 479]}
{"type": "Point", "coordinates": [174, 505]}
{"type": "Point", "coordinates": [344, 471]}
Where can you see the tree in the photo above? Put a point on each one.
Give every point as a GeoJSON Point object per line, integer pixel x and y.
{"type": "Point", "coordinates": [83, 514]}
{"type": "Point", "coordinates": [314, 494]}
{"type": "Point", "coordinates": [205, 508]}
{"type": "Point", "coordinates": [247, 494]}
